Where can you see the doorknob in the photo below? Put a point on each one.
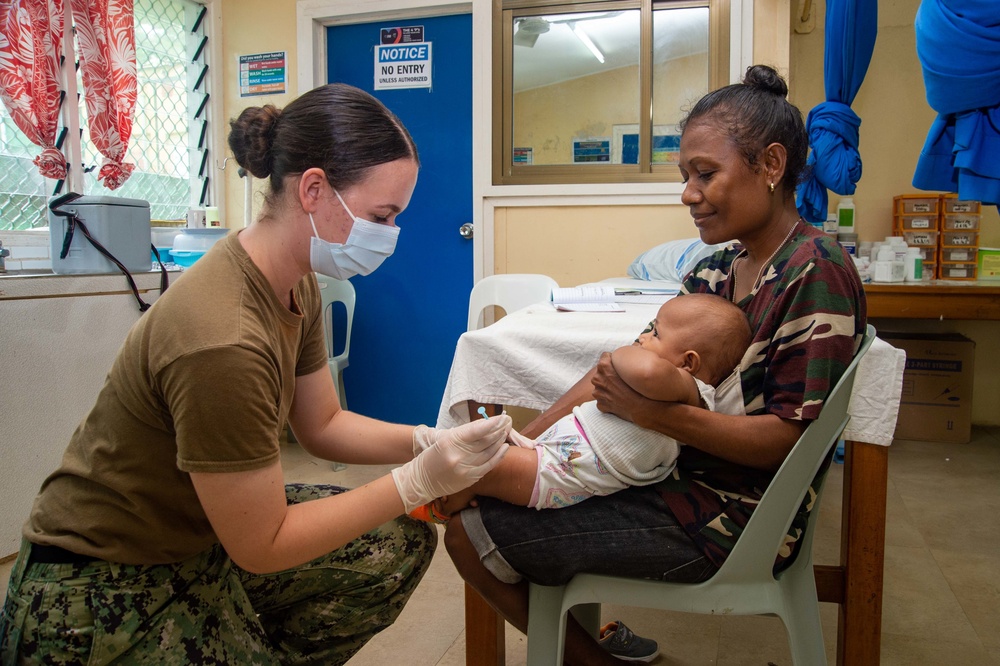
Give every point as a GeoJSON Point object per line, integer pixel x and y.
{"type": "Point", "coordinates": [466, 230]}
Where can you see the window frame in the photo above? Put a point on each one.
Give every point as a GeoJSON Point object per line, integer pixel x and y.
{"type": "Point", "coordinates": [505, 172]}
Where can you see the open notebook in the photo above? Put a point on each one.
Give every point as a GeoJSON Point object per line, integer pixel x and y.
{"type": "Point", "coordinates": [606, 298]}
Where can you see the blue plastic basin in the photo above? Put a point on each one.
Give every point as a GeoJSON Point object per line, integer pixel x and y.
{"type": "Point", "coordinates": [186, 257]}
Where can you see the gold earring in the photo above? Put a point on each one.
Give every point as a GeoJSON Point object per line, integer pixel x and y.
{"type": "Point", "coordinates": [770, 186]}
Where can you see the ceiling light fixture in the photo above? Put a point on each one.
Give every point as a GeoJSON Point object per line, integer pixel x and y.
{"type": "Point", "coordinates": [582, 36]}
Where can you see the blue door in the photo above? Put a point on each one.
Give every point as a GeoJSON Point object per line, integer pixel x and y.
{"type": "Point", "coordinates": [411, 311]}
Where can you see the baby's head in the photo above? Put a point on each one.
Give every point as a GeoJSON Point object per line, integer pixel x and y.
{"type": "Point", "coordinates": [703, 333]}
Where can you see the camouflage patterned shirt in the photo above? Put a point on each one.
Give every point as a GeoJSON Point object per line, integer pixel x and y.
{"type": "Point", "coordinates": [809, 316]}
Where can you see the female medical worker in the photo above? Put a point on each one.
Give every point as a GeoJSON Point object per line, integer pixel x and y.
{"type": "Point", "coordinates": [167, 534]}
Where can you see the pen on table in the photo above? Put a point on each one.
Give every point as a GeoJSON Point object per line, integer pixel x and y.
{"type": "Point", "coordinates": [639, 292]}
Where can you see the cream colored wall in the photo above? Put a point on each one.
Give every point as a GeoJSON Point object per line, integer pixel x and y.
{"type": "Point", "coordinates": [252, 26]}
{"type": "Point", "coordinates": [568, 245]}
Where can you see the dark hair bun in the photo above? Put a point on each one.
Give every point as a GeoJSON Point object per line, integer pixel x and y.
{"type": "Point", "coordinates": [251, 137]}
{"type": "Point", "coordinates": [767, 79]}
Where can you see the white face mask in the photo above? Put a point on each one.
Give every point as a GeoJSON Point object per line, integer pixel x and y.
{"type": "Point", "coordinates": [366, 248]}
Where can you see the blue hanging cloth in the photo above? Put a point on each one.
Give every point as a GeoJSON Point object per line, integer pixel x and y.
{"type": "Point", "coordinates": [958, 43]}
{"type": "Point", "coordinates": [834, 161]}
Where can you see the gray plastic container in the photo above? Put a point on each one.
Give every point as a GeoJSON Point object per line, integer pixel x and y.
{"type": "Point", "coordinates": [120, 225]}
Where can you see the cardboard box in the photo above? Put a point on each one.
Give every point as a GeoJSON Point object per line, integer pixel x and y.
{"type": "Point", "coordinates": [936, 403]}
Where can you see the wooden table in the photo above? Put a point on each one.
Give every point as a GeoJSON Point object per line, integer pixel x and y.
{"type": "Point", "coordinates": [856, 583]}
{"type": "Point", "coordinates": [938, 299]}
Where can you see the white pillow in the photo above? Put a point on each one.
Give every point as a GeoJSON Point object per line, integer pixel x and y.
{"type": "Point", "coordinates": [672, 260]}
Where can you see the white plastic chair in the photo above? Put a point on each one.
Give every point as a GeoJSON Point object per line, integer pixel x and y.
{"type": "Point", "coordinates": [745, 585]}
{"type": "Point", "coordinates": [511, 291]}
{"type": "Point", "coordinates": [337, 291]}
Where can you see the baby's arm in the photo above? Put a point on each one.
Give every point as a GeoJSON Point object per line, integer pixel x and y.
{"type": "Point", "coordinates": [654, 377]}
{"type": "Point", "coordinates": [512, 480]}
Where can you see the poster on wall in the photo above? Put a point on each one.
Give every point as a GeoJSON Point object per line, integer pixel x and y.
{"type": "Point", "coordinates": [522, 155]}
{"type": "Point", "coordinates": [592, 151]}
{"type": "Point", "coordinates": [263, 74]}
{"type": "Point", "coordinates": [625, 144]}
{"type": "Point", "coordinates": [402, 59]}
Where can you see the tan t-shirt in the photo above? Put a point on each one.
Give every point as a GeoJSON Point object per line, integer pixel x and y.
{"type": "Point", "coordinates": [203, 383]}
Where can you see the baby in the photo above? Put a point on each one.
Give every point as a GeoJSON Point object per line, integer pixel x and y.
{"type": "Point", "coordinates": [695, 344]}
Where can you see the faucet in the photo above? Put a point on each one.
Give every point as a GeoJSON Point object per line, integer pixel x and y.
{"type": "Point", "coordinates": [4, 252]}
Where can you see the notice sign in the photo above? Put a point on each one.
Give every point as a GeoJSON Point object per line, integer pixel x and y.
{"type": "Point", "coordinates": [262, 74]}
{"type": "Point", "coordinates": [403, 66]}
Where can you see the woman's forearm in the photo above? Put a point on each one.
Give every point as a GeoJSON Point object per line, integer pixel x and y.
{"type": "Point", "coordinates": [263, 534]}
{"type": "Point", "coordinates": [760, 442]}
{"type": "Point", "coordinates": [578, 394]}
{"type": "Point", "coordinates": [355, 439]}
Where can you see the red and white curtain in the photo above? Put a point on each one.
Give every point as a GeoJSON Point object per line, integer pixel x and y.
{"type": "Point", "coordinates": [105, 40]}
{"type": "Point", "coordinates": [30, 44]}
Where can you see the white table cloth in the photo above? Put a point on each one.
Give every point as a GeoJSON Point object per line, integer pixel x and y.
{"type": "Point", "coordinates": [534, 355]}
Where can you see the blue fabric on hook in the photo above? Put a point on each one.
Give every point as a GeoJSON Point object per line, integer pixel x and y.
{"type": "Point", "coordinates": [834, 161]}
{"type": "Point", "coordinates": [958, 44]}
{"type": "Point", "coordinates": [851, 28]}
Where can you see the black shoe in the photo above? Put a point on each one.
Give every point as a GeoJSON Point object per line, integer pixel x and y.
{"type": "Point", "coordinates": [622, 642]}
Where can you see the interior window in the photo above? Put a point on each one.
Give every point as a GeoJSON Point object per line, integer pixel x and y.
{"type": "Point", "coordinates": [593, 91]}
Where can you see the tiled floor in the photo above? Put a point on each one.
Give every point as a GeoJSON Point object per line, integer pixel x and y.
{"type": "Point", "coordinates": [942, 575]}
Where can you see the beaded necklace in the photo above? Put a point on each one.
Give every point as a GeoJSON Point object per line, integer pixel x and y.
{"type": "Point", "coordinates": [766, 263]}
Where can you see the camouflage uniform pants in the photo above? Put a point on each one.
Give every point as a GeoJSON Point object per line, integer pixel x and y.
{"type": "Point", "coordinates": [206, 610]}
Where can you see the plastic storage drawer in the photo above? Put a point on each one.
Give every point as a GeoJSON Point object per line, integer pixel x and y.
{"type": "Point", "coordinates": [918, 222]}
{"type": "Point", "coordinates": [959, 239]}
{"type": "Point", "coordinates": [957, 271]}
{"type": "Point", "coordinates": [960, 222]}
{"type": "Point", "coordinates": [961, 206]}
{"type": "Point", "coordinates": [909, 206]}
{"type": "Point", "coordinates": [958, 254]}
{"type": "Point", "coordinates": [921, 238]}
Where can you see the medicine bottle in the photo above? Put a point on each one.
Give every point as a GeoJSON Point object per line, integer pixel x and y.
{"type": "Point", "coordinates": [849, 241]}
{"type": "Point", "coordinates": [831, 226]}
{"type": "Point", "coordinates": [845, 215]}
{"type": "Point", "coordinates": [914, 265]}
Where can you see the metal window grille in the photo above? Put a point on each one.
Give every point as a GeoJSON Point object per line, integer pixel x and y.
{"type": "Point", "coordinates": [170, 142]}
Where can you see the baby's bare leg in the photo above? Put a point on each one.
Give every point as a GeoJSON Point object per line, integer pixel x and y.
{"type": "Point", "coordinates": [513, 480]}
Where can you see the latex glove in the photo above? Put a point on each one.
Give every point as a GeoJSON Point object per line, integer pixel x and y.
{"type": "Point", "coordinates": [517, 439]}
{"type": "Point", "coordinates": [424, 438]}
{"type": "Point", "coordinates": [458, 458]}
